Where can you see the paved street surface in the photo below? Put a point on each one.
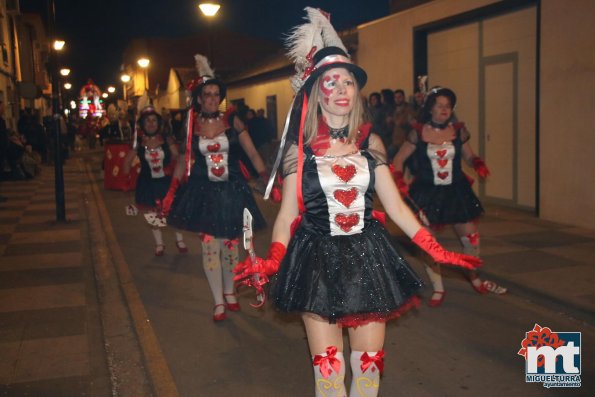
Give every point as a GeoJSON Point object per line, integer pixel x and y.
{"type": "Point", "coordinates": [87, 309]}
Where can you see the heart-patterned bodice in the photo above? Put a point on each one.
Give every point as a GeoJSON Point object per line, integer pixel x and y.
{"type": "Point", "coordinates": [154, 158]}
{"type": "Point", "coordinates": [216, 153]}
{"type": "Point", "coordinates": [344, 181]}
{"type": "Point", "coordinates": [441, 158]}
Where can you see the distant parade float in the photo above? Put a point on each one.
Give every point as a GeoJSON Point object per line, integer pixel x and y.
{"type": "Point", "coordinates": [90, 102]}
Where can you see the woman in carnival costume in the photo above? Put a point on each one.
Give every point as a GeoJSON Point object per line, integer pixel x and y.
{"type": "Point", "coordinates": [440, 189]}
{"type": "Point", "coordinates": [340, 267]}
{"type": "Point", "coordinates": [213, 199]}
{"type": "Point", "coordinates": [157, 153]}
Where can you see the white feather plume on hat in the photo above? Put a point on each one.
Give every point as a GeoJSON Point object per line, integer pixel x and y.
{"type": "Point", "coordinates": [317, 32]}
{"type": "Point", "coordinates": [203, 67]}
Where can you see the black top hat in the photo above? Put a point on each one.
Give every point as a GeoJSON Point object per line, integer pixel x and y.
{"type": "Point", "coordinates": [329, 58]}
{"type": "Point", "coordinates": [441, 91]}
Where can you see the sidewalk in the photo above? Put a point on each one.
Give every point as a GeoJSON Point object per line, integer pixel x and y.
{"type": "Point", "coordinates": [53, 326]}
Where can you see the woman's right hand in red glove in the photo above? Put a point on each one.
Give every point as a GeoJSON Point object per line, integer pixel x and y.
{"type": "Point", "coordinates": [268, 266]}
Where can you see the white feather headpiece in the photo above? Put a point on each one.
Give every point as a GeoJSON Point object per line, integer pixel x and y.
{"type": "Point", "coordinates": [307, 39]}
{"type": "Point", "coordinates": [203, 67]}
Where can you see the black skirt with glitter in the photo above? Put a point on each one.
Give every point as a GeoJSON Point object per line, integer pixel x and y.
{"type": "Point", "coordinates": [349, 280]}
{"type": "Point", "coordinates": [148, 190]}
{"type": "Point", "coordinates": [446, 205]}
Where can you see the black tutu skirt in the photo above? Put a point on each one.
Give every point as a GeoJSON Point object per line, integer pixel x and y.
{"type": "Point", "coordinates": [214, 208]}
{"type": "Point", "coordinates": [148, 190]}
{"type": "Point", "coordinates": [349, 280]}
{"type": "Point", "coordinates": [446, 205]}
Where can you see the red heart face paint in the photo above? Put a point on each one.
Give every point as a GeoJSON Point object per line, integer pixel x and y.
{"type": "Point", "coordinates": [337, 92]}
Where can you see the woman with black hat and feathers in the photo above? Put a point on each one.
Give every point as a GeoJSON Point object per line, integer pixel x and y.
{"type": "Point", "coordinates": [213, 199]}
{"type": "Point", "coordinates": [157, 153]}
{"type": "Point", "coordinates": [440, 189]}
{"type": "Point", "coordinates": [340, 267]}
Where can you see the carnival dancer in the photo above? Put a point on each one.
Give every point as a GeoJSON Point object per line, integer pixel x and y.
{"type": "Point", "coordinates": [213, 200]}
{"type": "Point", "coordinates": [157, 154]}
{"type": "Point", "coordinates": [340, 267]}
{"type": "Point", "coordinates": [440, 189]}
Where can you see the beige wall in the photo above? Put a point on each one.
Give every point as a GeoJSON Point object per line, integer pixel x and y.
{"type": "Point", "coordinates": [385, 46]}
{"type": "Point", "coordinates": [255, 96]}
{"type": "Point", "coordinates": [567, 118]}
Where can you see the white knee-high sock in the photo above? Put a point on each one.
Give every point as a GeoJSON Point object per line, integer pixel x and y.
{"type": "Point", "coordinates": [157, 235]}
{"type": "Point", "coordinates": [229, 260]}
{"type": "Point", "coordinates": [179, 237]}
{"type": "Point", "coordinates": [366, 368]}
{"type": "Point", "coordinates": [211, 263]}
{"type": "Point", "coordinates": [329, 373]}
{"type": "Point", "coordinates": [471, 244]}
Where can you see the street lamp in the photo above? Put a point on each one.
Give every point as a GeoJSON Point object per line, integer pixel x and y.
{"type": "Point", "coordinates": [67, 86]}
{"type": "Point", "coordinates": [111, 89]}
{"type": "Point", "coordinates": [209, 9]}
{"type": "Point", "coordinates": [144, 63]}
{"type": "Point", "coordinates": [64, 72]}
{"type": "Point", "coordinates": [125, 79]}
{"type": "Point", "coordinates": [59, 44]}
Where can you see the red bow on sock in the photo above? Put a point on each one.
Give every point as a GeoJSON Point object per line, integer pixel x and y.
{"type": "Point", "coordinates": [377, 360]}
{"type": "Point", "coordinates": [327, 363]}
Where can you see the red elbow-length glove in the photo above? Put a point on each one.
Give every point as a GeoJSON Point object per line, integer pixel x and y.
{"type": "Point", "coordinates": [428, 243]}
{"type": "Point", "coordinates": [399, 181]}
{"type": "Point", "coordinates": [169, 197]}
{"type": "Point", "coordinates": [480, 167]}
{"type": "Point", "coordinates": [268, 266]}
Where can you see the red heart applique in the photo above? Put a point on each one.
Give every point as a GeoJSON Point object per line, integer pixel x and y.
{"type": "Point", "coordinates": [443, 175]}
{"type": "Point", "coordinates": [345, 197]}
{"type": "Point", "coordinates": [217, 171]}
{"type": "Point", "coordinates": [347, 222]}
{"type": "Point", "coordinates": [442, 163]}
{"type": "Point", "coordinates": [441, 153]}
{"type": "Point", "coordinates": [156, 169]}
{"type": "Point", "coordinates": [216, 158]}
{"type": "Point", "coordinates": [214, 147]}
{"type": "Point", "coordinates": [344, 173]}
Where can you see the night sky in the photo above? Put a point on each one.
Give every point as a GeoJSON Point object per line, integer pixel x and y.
{"type": "Point", "coordinates": [97, 32]}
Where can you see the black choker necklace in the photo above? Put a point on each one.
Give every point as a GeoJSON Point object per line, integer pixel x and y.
{"type": "Point", "coordinates": [439, 126]}
{"type": "Point", "coordinates": [338, 133]}
{"type": "Point", "coordinates": [206, 115]}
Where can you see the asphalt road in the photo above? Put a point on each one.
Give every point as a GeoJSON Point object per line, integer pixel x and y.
{"type": "Point", "coordinates": [467, 347]}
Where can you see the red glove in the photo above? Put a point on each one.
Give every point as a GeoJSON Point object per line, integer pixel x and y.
{"type": "Point", "coordinates": [480, 167]}
{"type": "Point", "coordinates": [268, 266]}
{"type": "Point", "coordinates": [428, 243]}
{"type": "Point", "coordinates": [400, 181]}
{"type": "Point", "coordinates": [169, 197]}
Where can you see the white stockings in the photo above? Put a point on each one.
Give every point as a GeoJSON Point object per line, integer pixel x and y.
{"type": "Point", "coordinates": [366, 368]}
{"type": "Point", "coordinates": [219, 257]}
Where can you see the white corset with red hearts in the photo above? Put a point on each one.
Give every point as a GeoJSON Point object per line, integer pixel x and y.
{"type": "Point", "coordinates": [155, 158]}
{"type": "Point", "coordinates": [441, 157]}
{"type": "Point", "coordinates": [344, 181]}
{"type": "Point", "coordinates": [216, 152]}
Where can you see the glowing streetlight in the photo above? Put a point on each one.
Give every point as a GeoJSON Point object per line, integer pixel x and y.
{"type": "Point", "coordinates": [59, 45]}
{"type": "Point", "coordinates": [209, 8]}
{"type": "Point", "coordinates": [143, 62]}
{"type": "Point", "coordinates": [65, 71]}
{"type": "Point", "coordinates": [104, 95]}
{"type": "Point", "coordinates": [125, 78]}
{"type": "Point", "coordinates": [111, 89]}
{"type": "Point", "coordinates": [67, 86]}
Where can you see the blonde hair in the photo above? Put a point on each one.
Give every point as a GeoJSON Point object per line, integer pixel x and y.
{"type": "Point", "coordinates": [356, 117]}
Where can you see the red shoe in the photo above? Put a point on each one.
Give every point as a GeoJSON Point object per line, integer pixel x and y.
{"type": "Point", "coordinates": [437, 302]}
{"type": "Point", "coordinates": [481, 288]}
{"type": "Point", "coordinates": [182, 249]}
{"type": "Point", "coordinates": [221, 316]}
{"type": "Point", "coordinates": [159, 249]}
{"type": "Point", "coordinates": [232, 307]}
